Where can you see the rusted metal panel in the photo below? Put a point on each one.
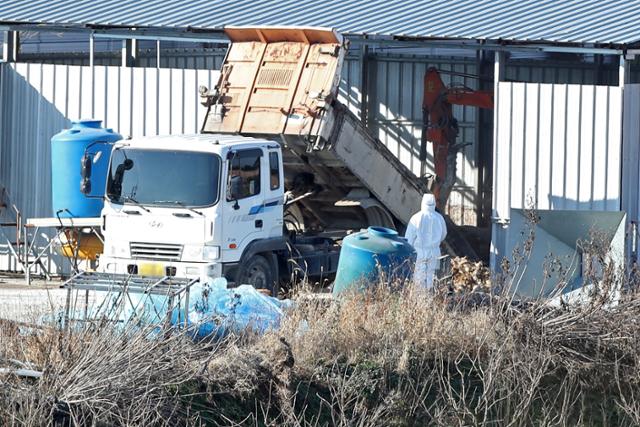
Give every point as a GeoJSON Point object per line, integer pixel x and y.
{"type": "Point", "coordinates": [275, 80]}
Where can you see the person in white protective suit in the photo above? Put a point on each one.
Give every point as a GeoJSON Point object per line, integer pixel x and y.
{"type": "Point", "coordinates": [425, 231]}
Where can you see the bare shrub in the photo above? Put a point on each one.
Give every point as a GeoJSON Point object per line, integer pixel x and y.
{"type": "Point", "coordinates": [99, 375]}
{"type": "Point", "coordinates": [387, 356]}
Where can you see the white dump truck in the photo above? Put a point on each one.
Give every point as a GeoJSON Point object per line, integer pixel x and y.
{"type": "Point", "coordinates": [279, 174]}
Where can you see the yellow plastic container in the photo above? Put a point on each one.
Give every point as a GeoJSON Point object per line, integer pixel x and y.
{"type": "Point", "coordinates": [85, 245]}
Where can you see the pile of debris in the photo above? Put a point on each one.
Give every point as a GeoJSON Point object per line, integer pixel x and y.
{"type": "Point", "coordinates": [467, 276]}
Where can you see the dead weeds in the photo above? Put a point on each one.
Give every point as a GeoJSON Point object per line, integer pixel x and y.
{"type": "Point", "coordinates": [379, 358]}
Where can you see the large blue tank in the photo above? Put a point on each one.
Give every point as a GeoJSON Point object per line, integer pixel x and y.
{"type": "Point", "coordinates": [371, 255]}
{"type": "Point", "coordinates": [67, 149]}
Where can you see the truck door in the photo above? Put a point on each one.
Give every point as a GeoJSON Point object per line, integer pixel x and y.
{"type": "Point", "coordinates": [246, 192]}
{"type": "Point", "coordinates": [273, 206]}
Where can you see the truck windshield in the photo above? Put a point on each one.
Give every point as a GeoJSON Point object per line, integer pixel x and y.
{"type": "Point", "coordinates": [163, 177]}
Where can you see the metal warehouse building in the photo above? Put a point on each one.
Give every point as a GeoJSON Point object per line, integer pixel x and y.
{"type": "Point", "coordinates": [563, 136]}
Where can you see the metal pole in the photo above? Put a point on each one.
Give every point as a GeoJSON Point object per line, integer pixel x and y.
{"type": "Point", "coordinates": [479, 146]}
{"type": "Point", "coordinates": [134, 52]}
{"type": "Point", "coordinates": [10, 46]}
{"type": "Point", "coordinates": [129, 52]}
{"type": "Point", "coordinates": [93, 74]}
{"type": "Point", "coordinates": [628, 165]}
{"type": "Point", "coordinates": [124, 51]}
{"type": "Point", "coordinates": [67, 309]}
{"type": "Point", "coordinates": [364, 83]}
{"type": "Point", "coordinates": [186, 308]}
{"type": "Point", "coordinates": [157, 53]}
{"type": "Point", "coordinates": [27, 267]}
{"type": "Point", "coordinates": [634, 242]}
{"type": "Point", "coordinates": [91, 50]}
{"type": "Point", "coordinates": [498, 76]}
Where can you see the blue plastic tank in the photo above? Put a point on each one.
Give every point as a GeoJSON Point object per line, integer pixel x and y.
{"type": "Point", "coordinates": [67, 149]}
{"type": "Point", "coordinates": [371, 255]}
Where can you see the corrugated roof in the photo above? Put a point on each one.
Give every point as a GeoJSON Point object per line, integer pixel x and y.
{"type": "Point", "coordinates": [560, 21]}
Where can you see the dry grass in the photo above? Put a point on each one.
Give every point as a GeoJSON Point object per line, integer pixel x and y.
{"type": "Point", "coordinates": [380, 358]}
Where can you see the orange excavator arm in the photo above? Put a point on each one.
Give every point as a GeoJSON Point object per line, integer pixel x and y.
{"type": "Point", "coordinates": [441, 128]}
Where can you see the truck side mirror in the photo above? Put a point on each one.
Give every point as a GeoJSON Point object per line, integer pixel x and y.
{"type": "Point", "coordinates": [85, 174]}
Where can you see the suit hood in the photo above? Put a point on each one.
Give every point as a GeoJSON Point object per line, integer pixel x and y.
{"type": "Point", "coordinates": [428, 203]}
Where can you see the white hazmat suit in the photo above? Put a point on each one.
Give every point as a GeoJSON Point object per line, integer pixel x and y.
{"type": "Point", "coordinates": [425, 231]}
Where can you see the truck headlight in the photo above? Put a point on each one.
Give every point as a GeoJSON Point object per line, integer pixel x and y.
{"type": "Point", "coordinates": [211, 253]}
{"type": "Point", "coordinates": [116, 250]}
{"type": "Point", "coordinates": [192, 253]}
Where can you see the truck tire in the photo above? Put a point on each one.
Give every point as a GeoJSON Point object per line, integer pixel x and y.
{"type": "Point", "coordinates": [256, 271]}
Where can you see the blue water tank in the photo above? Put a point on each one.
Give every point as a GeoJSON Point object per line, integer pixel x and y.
{"type": "Point", "coordinates": [67, 149]}
{"type": "Point", "coordinates": [371, 255]}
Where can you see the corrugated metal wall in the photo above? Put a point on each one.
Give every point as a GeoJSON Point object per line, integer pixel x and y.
{"type": "Point", "coordinates": [395, 89]}
{"type": "Point", "coordinates": [550, 71]}
{"type": "Point", "coordinates": [39, 100]}
{"type": "Point", "coordinates": [395, 116]}
{"type": "Point", "coordinates": [194, 59]}
{"type": "Point", "coordinates": [557, 147]}
{"type": "Point", "coordinates": [631, 157]}
{"type": "Point", "coordinates": [145, 101]}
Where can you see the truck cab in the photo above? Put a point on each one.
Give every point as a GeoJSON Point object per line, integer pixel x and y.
{"type": "Point", "coordinates": [195, 206]}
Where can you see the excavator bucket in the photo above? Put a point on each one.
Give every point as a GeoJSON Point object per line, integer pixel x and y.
{"type": "Point", "coordinates": [275, 81]}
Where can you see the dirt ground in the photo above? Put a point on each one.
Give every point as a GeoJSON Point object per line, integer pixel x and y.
{"type": "Point", "coordinates": [26, 303]}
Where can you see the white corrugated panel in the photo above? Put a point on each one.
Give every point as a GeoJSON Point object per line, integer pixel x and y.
{"type": "Point", "coordinates": [631, 156]}
{"type": "Point", "coordinates": [39, 100]}
{"type": "Point", "coordinates": [557, 147]}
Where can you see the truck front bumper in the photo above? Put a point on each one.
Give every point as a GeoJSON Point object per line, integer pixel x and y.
{"type": "Point", "coordinates": [191, 270]}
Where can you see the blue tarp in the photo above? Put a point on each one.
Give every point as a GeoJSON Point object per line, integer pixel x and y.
{"type": "Point", "coordinates": [214, 310]}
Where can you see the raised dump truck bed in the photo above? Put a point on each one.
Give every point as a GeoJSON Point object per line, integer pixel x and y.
{"type": "Point", "coordinates": [282, 83]}
{"type": "Point", "coordinates": [356, 169]}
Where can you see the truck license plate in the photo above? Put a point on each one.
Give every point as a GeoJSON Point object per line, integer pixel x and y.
{"type": "Point", "coordinates": [151, 269]}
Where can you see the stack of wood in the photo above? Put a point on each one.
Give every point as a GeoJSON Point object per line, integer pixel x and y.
{"type": "Point", "coordinates": [469, 276]}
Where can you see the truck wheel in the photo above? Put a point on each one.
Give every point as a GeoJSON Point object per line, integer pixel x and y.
{"type": "Point", "coordinates": [257, 273]}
